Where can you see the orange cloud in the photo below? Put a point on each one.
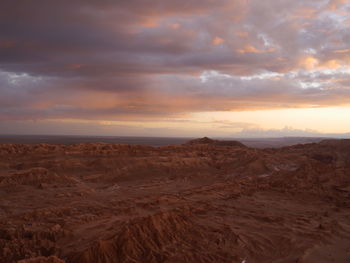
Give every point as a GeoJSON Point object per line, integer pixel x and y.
{"type": "Point", "coordinates": [251, 49]}
{"type": "Point", "coordinates": [242, 34]}
{"type": "Point", "coordinates": [175, 26]}
{"type": "Point", "coordinates": [342, 51]}
{"type": "Point", "coordinates": [150, 22]}
{"type": "Point", "coordinates": [218, 41]}
{"type": "Point", "coordinates": [331, 64]}
{"type": "Point", "coordinates": [311, 63]}
{"type": "Point", "coordinates": [334, 4]}
{"type": "Point", "coordinates": [308, 62]}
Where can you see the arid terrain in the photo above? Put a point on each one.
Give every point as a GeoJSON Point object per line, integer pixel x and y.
{"type": "Point", "coordinates": [203, 201]}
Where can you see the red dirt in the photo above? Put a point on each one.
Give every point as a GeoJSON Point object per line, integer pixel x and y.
{"type": "Point", "coordinates": [205, 201]}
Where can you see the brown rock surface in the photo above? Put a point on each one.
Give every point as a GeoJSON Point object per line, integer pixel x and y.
{"type": "Point", "coordinates": [205, 201]}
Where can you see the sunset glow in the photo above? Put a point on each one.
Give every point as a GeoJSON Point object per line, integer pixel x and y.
{"type": "Point", "coordinates": [175, 68]}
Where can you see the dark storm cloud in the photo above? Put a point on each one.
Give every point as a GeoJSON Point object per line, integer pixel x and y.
{"type": "Point", "coordinates": [123, 59]}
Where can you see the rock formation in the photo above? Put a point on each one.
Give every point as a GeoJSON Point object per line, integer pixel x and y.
{"type": "Point", "coordinates": [204, 201]}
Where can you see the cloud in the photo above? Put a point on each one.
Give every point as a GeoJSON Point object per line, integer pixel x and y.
{"type": "Point", "coordinates": [151, 59]}
{"type": "Point", "coordinates": [275, 133]}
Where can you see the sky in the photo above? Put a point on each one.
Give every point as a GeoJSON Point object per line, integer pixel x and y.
{"type": "Point", "coordinates": [221, 68]}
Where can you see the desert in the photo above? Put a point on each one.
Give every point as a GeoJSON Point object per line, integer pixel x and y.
{"type": "Point", "coordinates": [202, 201]}
{"type": "Point", "coordinates": [177, 131]}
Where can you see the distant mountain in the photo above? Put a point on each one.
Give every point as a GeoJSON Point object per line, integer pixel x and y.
{"type": "Point", "coordinates": [206, 140]}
